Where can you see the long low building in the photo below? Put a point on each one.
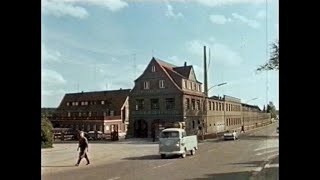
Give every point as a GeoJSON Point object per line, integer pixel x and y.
{"type": "Point", "coordinates": [104, 111]}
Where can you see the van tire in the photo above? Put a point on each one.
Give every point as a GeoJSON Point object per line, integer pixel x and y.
{"type": "Point", "coordinates": [163, 156]}
{"type": "Point", "coordinates": [193, 151]}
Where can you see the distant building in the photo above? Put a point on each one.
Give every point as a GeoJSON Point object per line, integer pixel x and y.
{"type": "Point", "coordinates": [88, 111]}
{"type": "Point", "coordinates": [48, 112]}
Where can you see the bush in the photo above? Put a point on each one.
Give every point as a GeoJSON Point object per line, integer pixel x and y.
{"type": "Point", "coordinates": [46, 133]}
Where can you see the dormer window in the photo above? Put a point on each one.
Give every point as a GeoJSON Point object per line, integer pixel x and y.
{"type": "Point", "coordinates": [153, 68]}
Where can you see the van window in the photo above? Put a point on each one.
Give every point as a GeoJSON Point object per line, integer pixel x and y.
{"type": "Point", "coordinates": [170, 134]}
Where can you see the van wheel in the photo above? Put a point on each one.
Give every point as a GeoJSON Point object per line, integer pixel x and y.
{"type": "Point", "coordinates": [193, 151]}
{"type": "Point", "coordinates": [163, 156]}
{"type": "Point", "coordinates": [183, 155]}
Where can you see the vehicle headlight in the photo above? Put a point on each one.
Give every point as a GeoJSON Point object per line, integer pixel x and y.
{"type": "Point", "coordinates": [178, 144]}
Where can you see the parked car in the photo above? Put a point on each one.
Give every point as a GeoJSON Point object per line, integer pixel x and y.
{"type": "Point", "coordinates": [95, 135]}
{"type": "Point", "coordinates": [230, 135]}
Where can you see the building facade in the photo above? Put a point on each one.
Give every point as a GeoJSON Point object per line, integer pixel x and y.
{"type": "Point", "coordinates": [165, 93]}
{"type": "Point", "coordinates": [104, 111]}
{"type": "Point", "coordinates": [159, 97]}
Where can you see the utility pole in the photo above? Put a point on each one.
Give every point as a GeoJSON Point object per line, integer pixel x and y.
{"type": "Point", "coordinates": [205, 93]}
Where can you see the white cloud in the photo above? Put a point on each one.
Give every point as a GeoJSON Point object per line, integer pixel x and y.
{"type": "Point", "coordinates": [62, 8]}
{"type": "Point", "coordinates": [219, 19]}
{"type": "Point", "coordinates": [249, 22]}
{"type": "Point", "coordinates": [170, 12]}
{"type": "Point", "coordinates": [215, 3]}
{"type": "Point", "coordinates": [48, 56]}
{"type": "Point", "coordinates": [51, 78]}
{"type": "Point", "coordinates": [75, 8]}
{"type": "Point", "coordinates": [219, 52]}
{"type": "Point", "coordinates": [261, 14]}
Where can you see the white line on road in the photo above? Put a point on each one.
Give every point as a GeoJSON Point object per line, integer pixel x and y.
{"type": "Point", "coordinates": [267, 147]}
{"type": "Point", "coordinates": [257, 169]}
{"type": "Point", "coordinates": [267, 152]}
{"type": "Point", "coordinates": [162, 165]}
{"type": "Point", "coordinates": [114, 178]}
{"type": "Point", "coordinates": [211, 150]}
{"type": "Point", "coordinates": [271, 165]}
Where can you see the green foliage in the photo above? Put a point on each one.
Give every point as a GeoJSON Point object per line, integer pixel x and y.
{"type": "Point", "coordinates": [46, 133]}
{"type": "Point", "coordinates": [272, 110]}
{"type": "Point", "coordinates": [273, 63]}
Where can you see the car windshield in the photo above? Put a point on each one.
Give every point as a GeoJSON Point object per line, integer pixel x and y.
{"type": "Point", "coordinates": [170, 134]}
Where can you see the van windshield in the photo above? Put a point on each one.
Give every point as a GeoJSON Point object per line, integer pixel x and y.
{"type": "Point", "coordinates": [170, 134]}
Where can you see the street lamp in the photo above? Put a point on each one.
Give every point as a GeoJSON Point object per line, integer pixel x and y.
{"type": "Point", "coordinates": [204, 123]}
{"type": "Point", "coordinates": [217, 85]}
{"type": "Point", "coordinates": [250, 100]}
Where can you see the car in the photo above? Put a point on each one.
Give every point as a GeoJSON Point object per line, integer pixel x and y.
{"type": "Point", "coordinates": [230, 135]}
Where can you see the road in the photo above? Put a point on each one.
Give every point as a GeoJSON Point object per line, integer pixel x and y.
{"type": "Point", "coordinates": [254, 156]}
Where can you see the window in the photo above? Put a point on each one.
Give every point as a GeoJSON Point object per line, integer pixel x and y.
{"type": "Point", "coordinates": [102, 102]}
{"type": "Point", "coordinates": [198, 104]}
{"type": "Point", "coordinates": [161, 83]}
{"type": "Point", "coordinates": [194, 86]}
{"type": "Point", "coordinates": [111, 113]}
{"type": "Point", "coordinates": [153, 69]}
{"type": "Point", "coordinates": [146, 85]}
{"type": "Point", "coordinates": [139, 104]}
{"type": "Point", "coordinates": [187, 103]}
{"type": "Point", "coordinates": [219, 106]}
{"type": "Point", "coordinates": [186, 84]}
{"type": "Point", "coordinates": [67, 103]}
{"type": "Point", "coordinates": [90, 114]}
{"type": "Point", "coordinates": [193, 124]}
{"type": "Point", "coordinates": [190, 85]}
{"type": "Point", "coordinates": [79, 114]}
{"type": "Point", "coordinates": [193, 102]}
{"type": "Point", "coordinates": [154, 103]}
{"type": "Point", "coordinates": [69, 114]}
{"type": "Point", "coordinates": [170, 103]}
{"type": "Point", "coordinates": [209, 105]}
{"type": "Point", "coordinates": [213, 106]}
{"type": "Point", "coordinates": [222, 106]}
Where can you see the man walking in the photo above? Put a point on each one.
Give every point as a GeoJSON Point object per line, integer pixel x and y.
{"type": "Point", "coordinates": [84, 148]}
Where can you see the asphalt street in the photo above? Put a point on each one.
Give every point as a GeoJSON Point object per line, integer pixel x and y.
{"type": "Point", "coordinates": [254, 156]}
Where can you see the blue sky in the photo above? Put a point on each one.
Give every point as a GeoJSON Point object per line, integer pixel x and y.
{"type": "Point", "coordinates": [93, 45]}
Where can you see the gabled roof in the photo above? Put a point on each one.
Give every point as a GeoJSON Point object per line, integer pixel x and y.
{"type": "Point", "coordinates": [116, 98]}
{"type": "Point", "coordinates": [183, 70]}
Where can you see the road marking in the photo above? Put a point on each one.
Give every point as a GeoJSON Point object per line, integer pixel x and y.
{"type": "Point", "coordinates": [114, 178]}
{"type": "Point", "coordinates": [267, 147]}
{"type": "Point", "coordinates": [271, 165]}
{"type": "Point", "coordinates": [257, 169]}
{"type": "Point", "coordinates": [267, 152]}
{"type": "Point", "coordinates": [162, 165]}
{"type": "Point", "coordinates": [211, 150]}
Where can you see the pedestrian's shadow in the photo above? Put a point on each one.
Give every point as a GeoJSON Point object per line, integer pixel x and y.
{"type": "Point", "coordinates": [59, 166]}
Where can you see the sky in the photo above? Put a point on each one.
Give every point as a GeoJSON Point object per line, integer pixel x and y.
{"type": "Point", "coordinates": [96, 45]}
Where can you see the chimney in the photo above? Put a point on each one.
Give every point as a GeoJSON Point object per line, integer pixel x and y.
{"type": "Point", "coordinates": [185, 64]}
{"type": "Point", "coordinates": [205, 72]}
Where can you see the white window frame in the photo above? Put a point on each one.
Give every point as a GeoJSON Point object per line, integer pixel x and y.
{"type": "Point", "coordinates": [161, 84]}
{"type": "Point", "coordinates": [146, 85]}
{"type": "Point", "coordinates": [153, 69]}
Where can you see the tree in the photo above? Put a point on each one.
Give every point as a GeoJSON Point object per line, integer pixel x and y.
{"type": "Point", "coordinates": [273, 63]}
{"type": "Point", "coordinates": [46, 133]}
{"type": "Point", "coordinates": [272, 110]}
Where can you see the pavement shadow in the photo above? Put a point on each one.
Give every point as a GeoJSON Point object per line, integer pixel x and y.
{"type": "Point", "coordinates": [150, 157]}
{"type": "Point", "coordinates": [59, 166]}
{"type": "Point", "coordinates": [250, 163]}
{"type": "Point", "coordinates": [258, 137]}
{"type": "Point", "coordinates": [226, 176]}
